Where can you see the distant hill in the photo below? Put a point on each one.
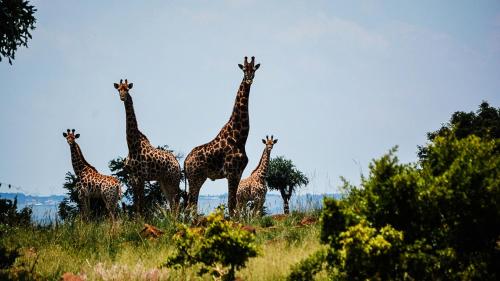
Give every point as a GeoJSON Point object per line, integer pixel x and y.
{"type": "Point", "coordinates": [45, 207]}
{"type": "Point", "coordinates": [23, 199]}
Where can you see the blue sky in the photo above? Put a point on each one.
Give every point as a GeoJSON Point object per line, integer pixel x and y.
{"type": "Point", "coordinates": [340, 82]}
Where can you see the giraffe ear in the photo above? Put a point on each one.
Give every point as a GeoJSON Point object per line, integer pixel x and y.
{"type": "Point", "coordinates": [65, 135]}
{"type": "Point", "coordinates": [257, 66]}
{"type": "Point", "coordinates": [77, 136]}
{"type": "Point", "coordinates": [263, 141]}
{"type": "Point", "coordinates": [241, 66]}
{"type": "Point", "coordinates": [275, 141]}
{"type": "Point", "coordinates": [116, 85]}
{"type": "Point", "coordinates": [130, 85]}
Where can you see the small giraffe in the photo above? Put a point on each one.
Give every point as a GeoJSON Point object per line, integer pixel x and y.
{"type": "Point", "coordinates": [254, 188]}
{"type": "Point", "coordinates": [224, 156]}
{"type": "Point", "coordinates": [90, 183]}
{"type": "Point", "coordinates": [145, 162]}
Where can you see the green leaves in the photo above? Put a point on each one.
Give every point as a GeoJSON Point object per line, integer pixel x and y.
{"type": "Point", "coordinates": [220, 248]}
{"type": "Point", "coordinates": [16, 22]}
{"type": "Point", "coordinates": [435, 220]}
{"type": "Point", "coordinates": [282, 175]}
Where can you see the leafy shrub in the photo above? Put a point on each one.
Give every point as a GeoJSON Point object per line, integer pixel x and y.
{"type": "Point", "coordinates": [220, 248]}
{"type": "Point", "coordinates": [436, 220]}
{"type": "Point", "coordinates": [9, 215]}
{"type": "Point", "coordinates": [266, 221]}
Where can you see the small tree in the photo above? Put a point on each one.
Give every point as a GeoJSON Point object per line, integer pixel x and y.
{"type": "Point", "coordinates": [282, 175]}
{"type": "Point", "coordinates": [221, 247]}
{"type": "Point", "coordinates": [16, 22]}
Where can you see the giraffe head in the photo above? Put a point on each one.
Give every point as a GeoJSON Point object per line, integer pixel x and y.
{"type": "Point", "coordinates": [123, 88]}
{"type": "Point", "coordinates": [249, 69]}
{"type": "Point", "coordinates": [70, 136]}
{"type": "Point", "coordinates": [269, 142]}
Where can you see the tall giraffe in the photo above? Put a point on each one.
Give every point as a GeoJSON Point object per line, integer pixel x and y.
{"type": "Point", "coordinates": [224, 156]}
{"type": "Point", "coordinates": [90, 183]}
{"type": "Point", "coordinates": [254, 188]}
{"type": "Point", "coordinates": [145, 162]}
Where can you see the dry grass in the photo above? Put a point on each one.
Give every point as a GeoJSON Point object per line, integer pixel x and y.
{"type": "Point", "coordinates": [117, 251]}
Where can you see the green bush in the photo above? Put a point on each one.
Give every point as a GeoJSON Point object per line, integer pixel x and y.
{"type": "Point", "coordinates": [220, 248]}
{"type": "Point", "coordinates": [9, 216]}
{"type": "Point", "coordinates": [435, 220]}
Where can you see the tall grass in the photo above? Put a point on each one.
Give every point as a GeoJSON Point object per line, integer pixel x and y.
{"type": "Point", "coordinates": [108, 250]}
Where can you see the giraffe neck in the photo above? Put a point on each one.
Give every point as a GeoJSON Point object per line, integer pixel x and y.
{"type": "Point", "coordinates": [80, 165]}
{"type": "Point", "coordinates": [261, 169]}
{"type": "Point", "coordinates": [239, 120]}
{"type": "Point", "coordinates": [134, 136]}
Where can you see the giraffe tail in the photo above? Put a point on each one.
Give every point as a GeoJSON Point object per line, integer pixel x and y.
{"type": "Point", "coordinates": [184, 176]}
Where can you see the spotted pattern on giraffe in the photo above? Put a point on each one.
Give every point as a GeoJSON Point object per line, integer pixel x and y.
{"type": "Point", "coordinates": [145, 162]}
{"type": "Point", "coordinates": [254, 187]}
{"type": "Point", "coordinates": [225, 155]}
{"type": "Point", "coordinates": [90, 184]}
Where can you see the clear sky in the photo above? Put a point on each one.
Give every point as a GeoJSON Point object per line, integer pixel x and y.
{"type": "Point", "coordinates": [339, 84]}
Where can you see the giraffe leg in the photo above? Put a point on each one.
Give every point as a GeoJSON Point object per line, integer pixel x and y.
{"type": "Point", "coordinates": [258, 205]}
{"type": "Point", "coordinates": [172, 193]}
{"type": "Point", "coordinates": [85, 204]}
{"type": "Point", "coordinates": [232, 182]}
{"type": "Point", "coordinates": [111, 202]}
{"type": "Point", "coordinates": [194, 191]}
{"type": "Point", "coordinates": [138, 195]}
{"type": "Point", "coordinates": [82, 197]}
{"type": "Point", "coordinates": [239, 205]}
{"type": "Point", "coordinates": [242, 197]}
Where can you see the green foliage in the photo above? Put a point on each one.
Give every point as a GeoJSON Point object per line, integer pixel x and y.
{"type": "Point", "coordinates": [484, 123]}
{"type": "Point", "coordinates": [282, 175]}
{"type": "Point", "coordinates": [435, 220]}
{"type": "Point", "coordinates": [366, 253]}
{"type": "Point", "coordinates": [9, 216]}
{"type": "Point", "coordinates": [307, 268]}
{"type": "Point", "coordinates": [7, 257]}
{"type": "Point", "coordinates": [265, 221]}
{"type": "Point", "coordinates": [221, 247]}
{"type": "Point", "coordinates": [16, 22]}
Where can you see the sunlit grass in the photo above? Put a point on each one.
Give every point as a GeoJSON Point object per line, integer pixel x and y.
{"type": "Point", "coordinates": [116, 250]}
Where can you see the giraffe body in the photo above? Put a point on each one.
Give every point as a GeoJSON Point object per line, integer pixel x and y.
{"type": "Point", "coordinates": [254, 188]}
{"type": "Point", "coordinates": [224, 156]}
{"type": "Point", "coordinates": [145, 162]}
{"type": "Point", "coordinates": [90, 183]}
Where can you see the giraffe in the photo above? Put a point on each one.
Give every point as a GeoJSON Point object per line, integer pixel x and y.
{"type": "Point", "coordinates": [254, 188]}
{"type": "Point", "coordinates": [90, 183]}
{"type": "Point", "coordinates": [224, 156]}
{"type": "Point", "coordinates": [145, 162]}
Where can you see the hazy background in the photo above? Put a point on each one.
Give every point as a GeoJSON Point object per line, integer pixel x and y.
{"type": "Point", "coordinates": [340, 83]}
